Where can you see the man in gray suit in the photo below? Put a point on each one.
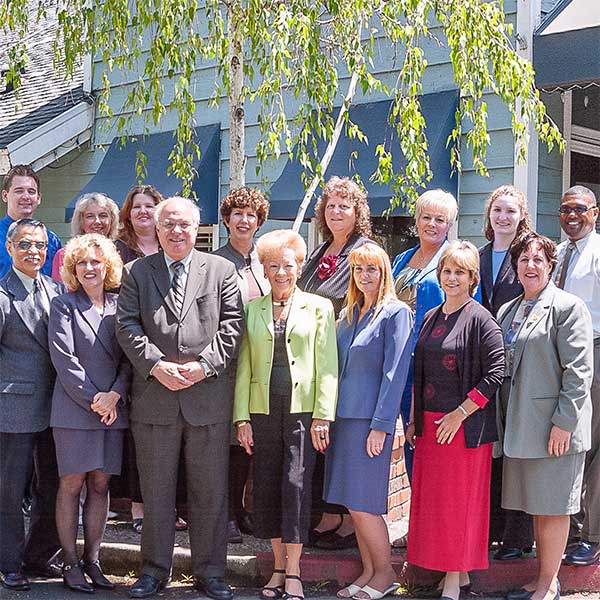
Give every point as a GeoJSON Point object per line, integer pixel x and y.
{"type": "Point", "coordinates": [179, 320]}
{"type": "Point", "coordinates": [26, 380]}
{"type": "Point", "coordinates": [578, 272]}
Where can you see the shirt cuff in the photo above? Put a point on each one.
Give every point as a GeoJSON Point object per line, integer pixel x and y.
{"type": "Point", "coordinates": [478, 397]}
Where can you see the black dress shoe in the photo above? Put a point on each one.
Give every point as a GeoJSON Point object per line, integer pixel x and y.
{"type": "Point", "coordinates": [583, 554]}
{"type": "Point", "coordinates": [245, 523]}
{"type": "Point", "coordinates": [520, 594]}
{"type": "Point", "coordinates": [94, 571]}
{"type": "Point", "coordinates": [146, 586]}
{"type": "Point", "coordinates": [74, 579]}
{"type": "Point", "coordinates": [505, 553]}
{"type": "Point", "coordinates": [234, 535]}
{"type": "Point", "coordinates": [47, 571]}
{"type": "Point", "coordinates": [337, 542]}
{"type": "Point", "coordinates": [213, 587]}
{"type": "Point", "coordinates": [15, 581]}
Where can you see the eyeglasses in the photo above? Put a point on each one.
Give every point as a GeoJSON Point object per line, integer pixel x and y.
{"type": "Point", "coordinates": [579, 209]}
{"type": "Point", "coordinates": [170, 225]}
{"type": "Point", "coordinates": [26, 245]}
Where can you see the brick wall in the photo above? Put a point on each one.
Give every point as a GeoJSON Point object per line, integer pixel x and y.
{"type": "Point", "coordinates": [399, 489]}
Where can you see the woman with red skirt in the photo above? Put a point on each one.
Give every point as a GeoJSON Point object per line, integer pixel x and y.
{"type": "Point", "coordinates": [459, 363]}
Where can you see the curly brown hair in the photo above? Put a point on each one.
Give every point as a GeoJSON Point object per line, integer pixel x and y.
{"type": "Point", "coordinates": [547, 246]}
{"type": "Point", "coordinates": [245, 197]}
{"type": "Point", "coordinates": [507, 190]}
{"type": "Point", "coordinates": [127, 234]}
{"type": "Point", "coordinates": [348, 190]}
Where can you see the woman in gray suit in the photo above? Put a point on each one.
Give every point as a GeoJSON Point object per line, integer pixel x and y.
{"type": "Point", "coordinates": [546, 407]}
{"type": "Point", "coordinates": [88, 405]}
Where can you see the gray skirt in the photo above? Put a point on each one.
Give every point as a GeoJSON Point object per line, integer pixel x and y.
{"type": "Point", "coordinates": [85, 450]}
{"type": "Point", "coordinates": [543, 486]}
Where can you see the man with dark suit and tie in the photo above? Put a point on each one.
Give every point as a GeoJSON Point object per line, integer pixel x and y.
{"type": "Point", "coordinates": [26, 381]}
{"type": "Point", "coordinates": [578, 272]}
{"type": "Point", "coordinates": [179, 321]}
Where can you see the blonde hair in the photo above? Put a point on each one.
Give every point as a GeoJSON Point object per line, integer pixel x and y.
{"type": "Point", "coordinates": [280, 239]}
{"type": "Point", "coordinates": [101, 200]}
{"type": "Point", "coordinates": [370, 254]}
{"type": "Point", "coordinates": [440, 200]}
{"type": "Point", "coordinates": [77, 248]}
{"type": "Point", "coordinates": [464, 255]}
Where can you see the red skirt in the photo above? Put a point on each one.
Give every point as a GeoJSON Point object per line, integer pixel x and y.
{"type": "Point", "coordinates": [450, 502]}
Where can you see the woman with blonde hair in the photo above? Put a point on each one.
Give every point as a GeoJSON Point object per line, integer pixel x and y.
{"type": "Point", "coordinates": [283, 406]}
{"type": "Point", "coordinates": [374, 340]}
{"type": "Point", "coordinates": [459, 363]}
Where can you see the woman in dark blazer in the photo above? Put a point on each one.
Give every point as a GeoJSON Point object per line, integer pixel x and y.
{"type": "Point", "coordinates": [459, 363]}
{"type": "Point", "coordinates": [374, 339]}
{"type": "Point", "coordinates": [344, 220]}
{"type": "Point", "coordinates": [88, 405]}
{"type": "Point", "coordinates": [506, 220]}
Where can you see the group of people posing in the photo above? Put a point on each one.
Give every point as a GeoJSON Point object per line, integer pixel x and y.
{"type": "Point", "coordinates": [490, 356]}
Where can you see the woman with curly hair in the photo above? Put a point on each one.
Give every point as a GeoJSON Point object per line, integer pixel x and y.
{"type": "Point", "coordinates": [344, 219]}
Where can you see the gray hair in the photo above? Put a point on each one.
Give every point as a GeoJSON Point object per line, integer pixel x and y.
{"type": "Point", "coordinates": [580, 190]}
{"type": "Point", "coordinates": [101, 200]}
{"type": "Point", "coordinates": [15, 227]}
{"type": "Point", "coordinates": [437, 199]}
{"type": "Point", "coordinates": [161, 206]}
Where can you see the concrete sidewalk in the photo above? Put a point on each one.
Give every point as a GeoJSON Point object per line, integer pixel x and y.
{"type": "Point", "coordinates": [250, 564]}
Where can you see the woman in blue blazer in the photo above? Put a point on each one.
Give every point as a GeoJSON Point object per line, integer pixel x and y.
{"type": "Point", "coordinates": [415, 276]}
{"type": "Point", "coordinates": [374, 344]}
{"type": "Point", "coordinates": [88, 405]}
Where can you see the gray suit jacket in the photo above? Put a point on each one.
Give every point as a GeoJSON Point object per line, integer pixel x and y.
{"type": "Point", "coordinates": [552, 375]}
{"type": "Point", "coordinates": [88, 359]}
{"type": "Point", "coordinates": [210, 328]}
{"type": "Point", "coordinates": [26, 372]}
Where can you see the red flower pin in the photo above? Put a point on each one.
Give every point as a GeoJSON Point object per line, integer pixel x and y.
{"type": "Point", "coordinates": [327, 266]}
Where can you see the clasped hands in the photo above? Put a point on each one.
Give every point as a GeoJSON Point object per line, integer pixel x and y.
{"type": "Point", "coordinates": [177, 377]}
{"type": "Point", "coordinates": [105, 405]}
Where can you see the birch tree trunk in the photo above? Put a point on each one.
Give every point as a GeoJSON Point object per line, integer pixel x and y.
{"type": "Point", "coordinates": [237, 158]}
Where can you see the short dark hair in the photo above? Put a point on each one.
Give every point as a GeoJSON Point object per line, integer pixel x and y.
{"type": "Point", "coordinates": [580, 190]}
{"type": "Point", "coordinates": [531, 237]}
{"type": "Point", "coordinates": [16, 226]}
{"type": "Point", "coordinates": [246, 197]}
{"type": "Point", "coordinates": [20, 171]}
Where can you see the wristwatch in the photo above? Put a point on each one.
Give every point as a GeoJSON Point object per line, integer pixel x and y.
{"type": "Point", "coordinates": [208, 370]}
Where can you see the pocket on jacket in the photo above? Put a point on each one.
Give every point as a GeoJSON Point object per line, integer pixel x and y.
{"type": "Point", "coordinates": [17, 388]}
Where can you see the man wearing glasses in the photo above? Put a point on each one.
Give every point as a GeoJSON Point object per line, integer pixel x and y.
{"type": "Point", "coordinates": [179, 321]}
{"type": "Point", "coordinates": [21, 193]}
{"type": "Point", "coordinates": [26, 381]}
{"type": "Point", "coordinates": [578, 272]}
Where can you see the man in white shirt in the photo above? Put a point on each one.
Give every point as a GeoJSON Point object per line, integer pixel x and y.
{"type": "Point", "coordinates": [578, 272]}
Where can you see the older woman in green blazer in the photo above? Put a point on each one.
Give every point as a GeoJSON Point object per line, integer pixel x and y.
{"type": "Point", "coordinates": [285, 397]}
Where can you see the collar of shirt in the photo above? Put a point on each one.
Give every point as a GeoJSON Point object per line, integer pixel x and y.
{"type": "Point", "coordinates": [25, 280]}
{"type": "Point", "coordinates": [184, 261]}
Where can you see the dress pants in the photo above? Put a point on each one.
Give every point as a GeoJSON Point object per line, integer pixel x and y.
{"type": "Point", "coordinates": [590, 502]}
{"type": "Point", "coordinates": [21, 455]}
{"type": "Point", "coordinates": [206, 456]}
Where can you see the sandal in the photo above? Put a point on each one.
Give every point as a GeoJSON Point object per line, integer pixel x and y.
{"type": "Point", "coordinates": [137, 525]}
{"type": "Point", "coordinates": [374, 594]}
{"type": "Point", "coordinates": [288, 596]}
{"type": "Point", "coordinates": [350, 591]}
{"type": "Point", "coordinates": [278, 590]}
{"type": "Point", "coordinates": [401, 542]}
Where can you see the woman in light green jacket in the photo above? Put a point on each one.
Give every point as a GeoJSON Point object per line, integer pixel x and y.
{"type": "Point", "coordinates": [285, 397]}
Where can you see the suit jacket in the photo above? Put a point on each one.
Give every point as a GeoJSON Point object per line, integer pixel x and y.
{"type": "Point", "coordinates": [26, 371]}
{"type": "Point", "coordinates": [552, 375]}
{"type": "Point", "coordinates": [230, 253]}
{"type": "Point", "coordinates": [88, 359]}
{"type": "Point", "coordinates": [493, 294]}
{"type": "Point", "coordinates": [209, 327]}
{"type": "Point", "coordinates": [312, 357]}
{"type": "Point", "coordinates": [374, 356]}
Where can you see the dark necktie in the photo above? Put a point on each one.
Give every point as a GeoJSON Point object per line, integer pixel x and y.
{"type": "Point", "coordinates": [177, 289]}
{"type": "Point", "coordinates": [564, 266]}
{"type": "Point", "coordinates": [41, 307]}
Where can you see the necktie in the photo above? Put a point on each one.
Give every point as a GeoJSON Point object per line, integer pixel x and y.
{"type": "Point", "coordinates": [564, 266]}
{"type": "Point", "coordinates": [40, 301]}
{"type": "Point", "coordinates": [177, 289]}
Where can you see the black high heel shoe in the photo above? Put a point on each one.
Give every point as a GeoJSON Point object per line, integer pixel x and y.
{"type": "Point", "coordinates": [94, 571]}
{"type": "Point", "coordinates": [74, 579]}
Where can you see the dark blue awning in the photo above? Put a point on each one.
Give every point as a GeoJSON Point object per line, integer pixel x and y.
{"type": "Point", "coordinates": [117, 175]}
{"type": "Point", "coordinates": [352, 156]}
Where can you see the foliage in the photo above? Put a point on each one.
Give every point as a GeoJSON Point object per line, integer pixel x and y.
{"type": "Point", "coordinates": [298, 55]}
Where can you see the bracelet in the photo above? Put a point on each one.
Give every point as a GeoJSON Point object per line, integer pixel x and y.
{"type": "Point", "coordinates": [241, 423]}
{"type": "Point", "coordinates": [463, 410]}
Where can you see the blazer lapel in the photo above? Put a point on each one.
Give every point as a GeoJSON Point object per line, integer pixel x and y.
{"type": "Point", "coordinates": [196, 277]}
{"type": "Point", "coordinates": [486, 271]}
{"type": "Point", "coordinates": [92, 317]}
{"type": "Point", "coordinates": [297, 311]}
{"type": "Point", "coordinates": [266, 312]}
{"type": "Point", "coordinates": [160, 275]}
{"type": "Point", "coordinates": [536, 316]}
{"type": "Point", "coordinates": [24, 308]}
{"type": "Point", "coordinates": [505, 269]}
